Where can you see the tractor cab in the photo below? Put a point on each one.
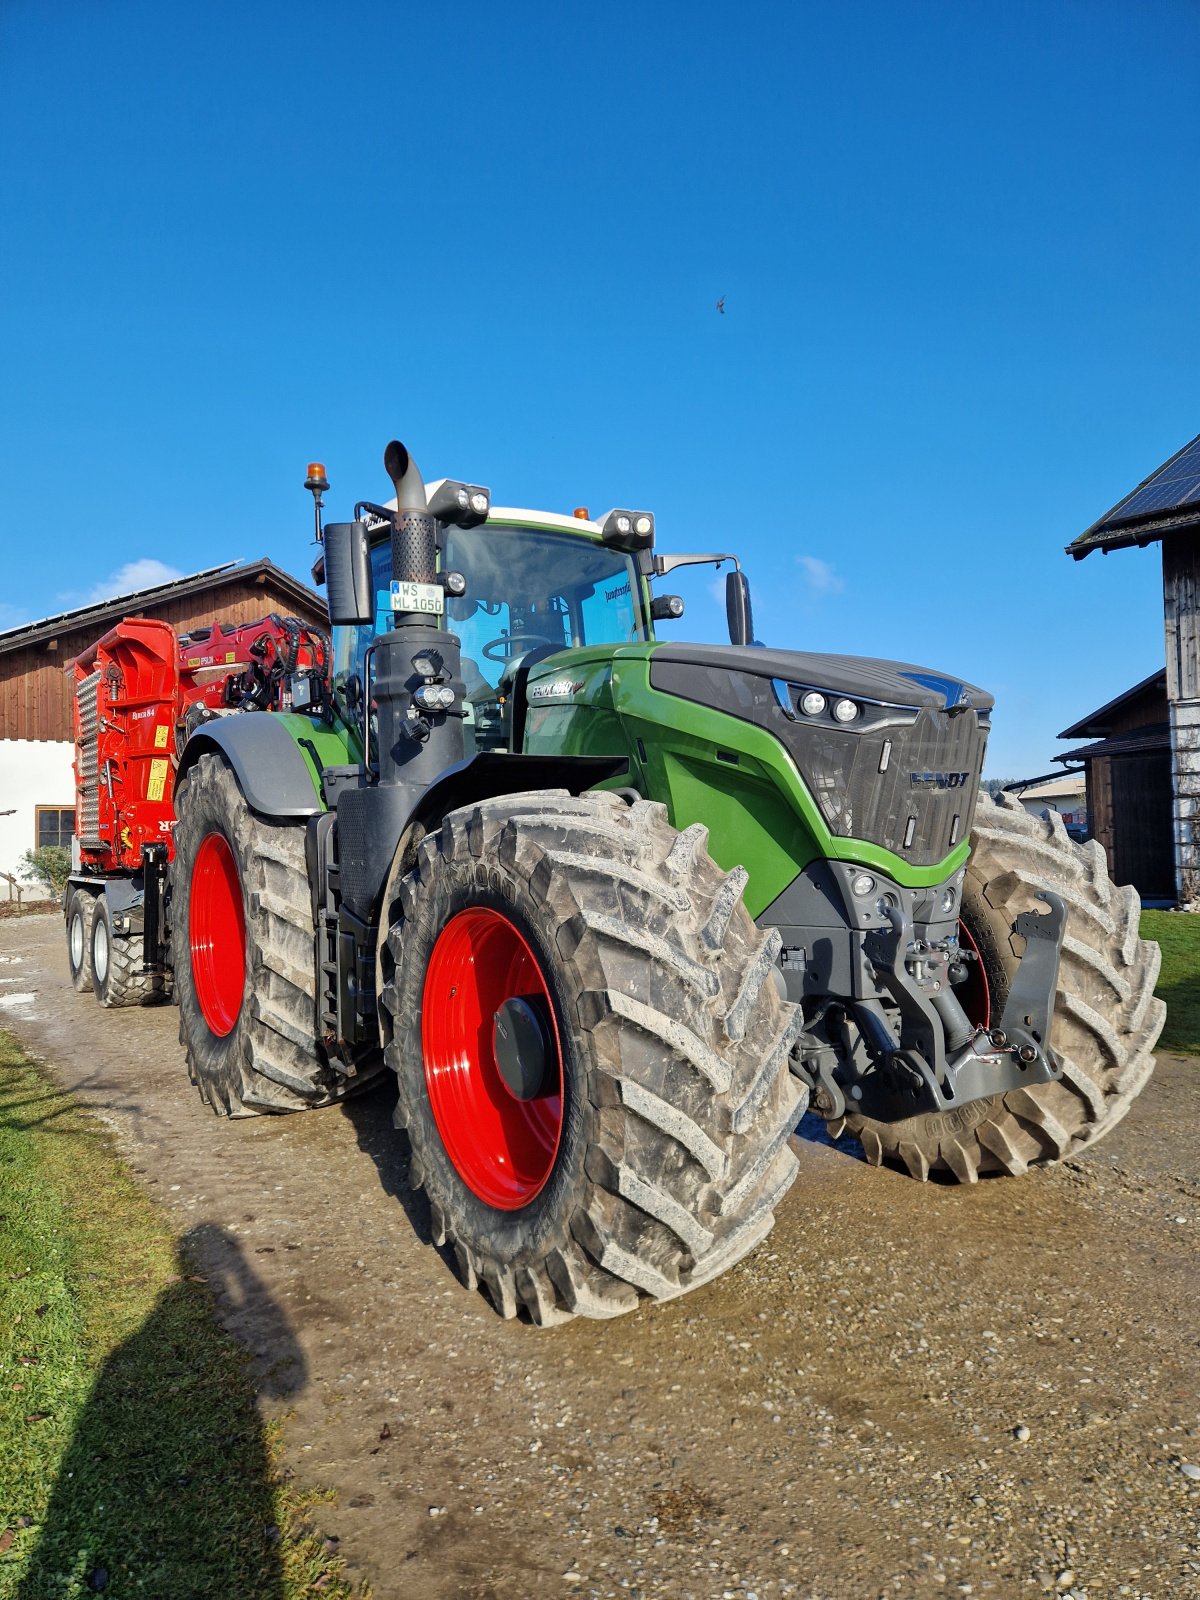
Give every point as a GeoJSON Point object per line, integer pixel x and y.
{"type": "Point", "coordinates": [532, 583]}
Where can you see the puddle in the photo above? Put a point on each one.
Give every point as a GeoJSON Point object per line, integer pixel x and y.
{"type": "Point", "coordinates": [17, 999]}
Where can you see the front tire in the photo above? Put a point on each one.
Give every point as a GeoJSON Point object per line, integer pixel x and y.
{"type": "Point", "coordinates": [1106, 1018]}
{"type": "Point", "coordinates": [653, 1154]}
{"type": "Point", "coordinates": [244, 953]}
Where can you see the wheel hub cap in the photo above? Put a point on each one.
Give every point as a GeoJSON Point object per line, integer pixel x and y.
{"type": "Point", "coordinates": [521, 1047]}
{"type": "Point", "coordinates": [217, 934]}
{"type": "Point", "coordinates": [493, 1058]}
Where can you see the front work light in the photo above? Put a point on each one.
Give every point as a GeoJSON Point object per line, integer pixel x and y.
{"type": "Point", "coordinates": [628, 530]}
{"type": "Point", "coordinates": [844, 710]}
{"type": "Point", "coordinates": [812, 704]}
{"type": "Point", "coordinates": [461, 505]}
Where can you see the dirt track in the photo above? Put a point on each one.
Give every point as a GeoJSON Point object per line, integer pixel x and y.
{"type": "Point", "coordinates": [834, 1418]}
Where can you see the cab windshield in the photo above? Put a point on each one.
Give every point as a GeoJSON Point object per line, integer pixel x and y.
{"type": "Point", "coordinates": [527, 589]}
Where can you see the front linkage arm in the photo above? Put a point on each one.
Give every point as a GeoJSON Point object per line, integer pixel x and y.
{"type": "Point", "coordinates": [939, 1062]}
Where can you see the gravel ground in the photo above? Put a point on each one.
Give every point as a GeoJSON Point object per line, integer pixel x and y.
{"type": "Point", "coordinates": [906, 1391]}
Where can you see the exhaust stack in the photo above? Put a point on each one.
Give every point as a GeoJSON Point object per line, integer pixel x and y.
{"type": "Point", "coordinates": [414, 530]}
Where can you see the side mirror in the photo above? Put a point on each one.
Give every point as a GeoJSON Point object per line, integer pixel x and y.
{"type": "Point", "coordinates": [666, 607]}
{"type": "Point", "coordinates": [737, 609]}
{"type": "Point", "coordinates": [348, 573]}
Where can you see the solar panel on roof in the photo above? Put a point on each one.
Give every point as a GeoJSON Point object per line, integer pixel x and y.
{"type": "Point", "coordinates": [1176, 483]}
{"type": "Point", "coordinates": [1165, 504]}
{"type": "Point", "coordinates": [1157, 497]}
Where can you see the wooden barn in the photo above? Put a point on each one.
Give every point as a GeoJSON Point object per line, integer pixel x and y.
{"type": "Point", "coordinates": [37, 786]}
{"type": "Point", "coordinates": [1163, 509]}
{"type": "Point", "coordinates": [1129, 804]}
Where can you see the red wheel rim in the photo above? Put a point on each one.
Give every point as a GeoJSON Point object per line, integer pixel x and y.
{"type": "Point", "coordinates": [217, 934]}
{"type": "Point", "coordinates": [974, 994]}
{"type": "Point", "coordinates": [502, 1148]}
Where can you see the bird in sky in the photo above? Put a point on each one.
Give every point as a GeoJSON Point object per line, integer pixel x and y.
{"type": "Point", "coordinates": [721, 305]}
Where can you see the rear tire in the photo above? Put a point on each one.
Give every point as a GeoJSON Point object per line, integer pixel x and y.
{"type": "Point", "coordinates": [244, 953]}
{"type": "Point", "coordinates": [661, 1161]}
{"type": "Point", "coordinates": [116, 962]}
{"type": "Point", "coordinates": [81, 908]}
{"type": "Point", "coordinates": [1106, 1018]}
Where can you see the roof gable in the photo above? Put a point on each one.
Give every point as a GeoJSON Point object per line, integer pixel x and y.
{"type": "Point", "coordinates": [1100, 722]}
{"type": "Point", "coordinates": [98, 616]}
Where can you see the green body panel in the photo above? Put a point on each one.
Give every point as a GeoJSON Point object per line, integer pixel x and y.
{"type": "Point", "coordinates": [704, 765]}
{"type": "Point", "coordinates": [336, 746]}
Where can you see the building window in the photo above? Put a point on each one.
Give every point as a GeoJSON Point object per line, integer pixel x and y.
{"type": "Point", "coordinates": [54, 825]}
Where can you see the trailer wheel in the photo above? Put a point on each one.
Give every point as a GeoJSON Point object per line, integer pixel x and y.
{"type": "Point", "coordinates": [244, 953]}
{"type": "Point", "coordinates": [116, 962]}
{"type": "Point", "coordinates": [81, 908]}
{"type": "Point", "coordinates": [1106, 1019]}
{"type": "Point", "coordinates": [592, 1053]}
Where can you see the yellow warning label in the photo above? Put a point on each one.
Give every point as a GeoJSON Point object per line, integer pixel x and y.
{"type": "Point", "coordinates": [230, 655]}
{"type": "Point", "coordinates": [158, 779]}
{"type": "Point", "coordinates": [160, 736]}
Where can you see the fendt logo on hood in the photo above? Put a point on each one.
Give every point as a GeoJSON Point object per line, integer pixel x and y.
{"type": "Point", "coordinates": [938, 780]}
{"type": "Point", "coordinates": [558, 689]}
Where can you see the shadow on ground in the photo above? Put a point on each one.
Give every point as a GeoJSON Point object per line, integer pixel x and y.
{"type": "Point", "coordinates": [166, 1487]}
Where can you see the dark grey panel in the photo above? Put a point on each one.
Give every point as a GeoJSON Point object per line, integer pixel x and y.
{"type": "Point", "coordinates": [859, 676]}
{"type": "Point", "coordinates": [272, 771]}
{"type": "Point", "coordinates": [907, 782]}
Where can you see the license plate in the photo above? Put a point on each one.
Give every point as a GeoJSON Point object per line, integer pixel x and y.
{"type": "Point", "coordinates": [427, 597]}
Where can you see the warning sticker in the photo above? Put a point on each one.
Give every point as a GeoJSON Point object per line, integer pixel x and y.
{"type": "Point", "coordinates": [158, 780]}
{"type": "Point", "coordinates": [160, 736]}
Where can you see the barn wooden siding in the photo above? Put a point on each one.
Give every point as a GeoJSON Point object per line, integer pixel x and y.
{"type": "Point", "coordinates": [1129, 798]}
{"type": "Point", "coordinates": [1181, 606]}
{"type": "Point", "coordinates": [35, 690]}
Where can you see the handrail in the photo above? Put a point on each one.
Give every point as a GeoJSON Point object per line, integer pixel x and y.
{"type": "Point", "coordinates": [13, 884]}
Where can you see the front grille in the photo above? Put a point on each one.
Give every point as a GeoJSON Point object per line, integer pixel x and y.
{"type": "Point", "coordinates": [906, 780]}
{"type": "Point", "coordinates": [86, 698]}
{"type": "Point", "coordinates": [923, 801]}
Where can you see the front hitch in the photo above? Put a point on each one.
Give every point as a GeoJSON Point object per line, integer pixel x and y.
{"type": "Point", "coordinates": [916, 1075]}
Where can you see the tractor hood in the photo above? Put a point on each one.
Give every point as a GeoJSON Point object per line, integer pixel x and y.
{"type": "Point", "coordinates": [891, 753]}
{"type": "Point", "coordinates": [888, 683]}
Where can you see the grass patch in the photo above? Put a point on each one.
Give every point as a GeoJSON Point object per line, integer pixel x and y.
{"type": "Point", "coordinates": [1177, 933]}
{"type": "Point", "coordinates": [133, 1460]}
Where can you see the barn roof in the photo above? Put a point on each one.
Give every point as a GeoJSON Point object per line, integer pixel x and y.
{"type": "Point", "coordinates": [94, 618]}
{"type": "Point", "coordinates": [1156, 736]}
{"type": "Point", "coordinates": [1166, 502]}
{"type": "Point", "coordinates": [1100, 721]}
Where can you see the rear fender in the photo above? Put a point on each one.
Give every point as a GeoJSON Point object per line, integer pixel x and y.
{"type": "Point", "coordinates": [274, 772]}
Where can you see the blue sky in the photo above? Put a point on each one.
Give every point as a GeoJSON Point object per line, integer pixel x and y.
{"type": "Point", "coordinates": [957, 244]}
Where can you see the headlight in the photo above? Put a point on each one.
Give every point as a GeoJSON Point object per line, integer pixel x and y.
{"type": "Point", "coordinates": [862, 884]}
{"type": "Point", "coordinates": [844, 710]}
{"type": "Point", "coordinates": [947, 902]}
{"type": "Point", "coordinates": [812, 704]}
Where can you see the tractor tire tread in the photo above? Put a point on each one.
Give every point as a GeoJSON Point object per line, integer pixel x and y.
{"type": "Point", "coordinates": [684, 1050]}
{"type": "Point", "coordinates": [1106, 1016]}
{"type": "Point", "coordinates": [276, 1063]}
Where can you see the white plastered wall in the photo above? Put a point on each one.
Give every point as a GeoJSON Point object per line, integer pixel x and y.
{"type": "Point", "coordinates": [32, 773]}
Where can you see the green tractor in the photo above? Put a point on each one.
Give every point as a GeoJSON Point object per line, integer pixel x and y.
{"type": "Point", "coordinates": [615, 911]}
